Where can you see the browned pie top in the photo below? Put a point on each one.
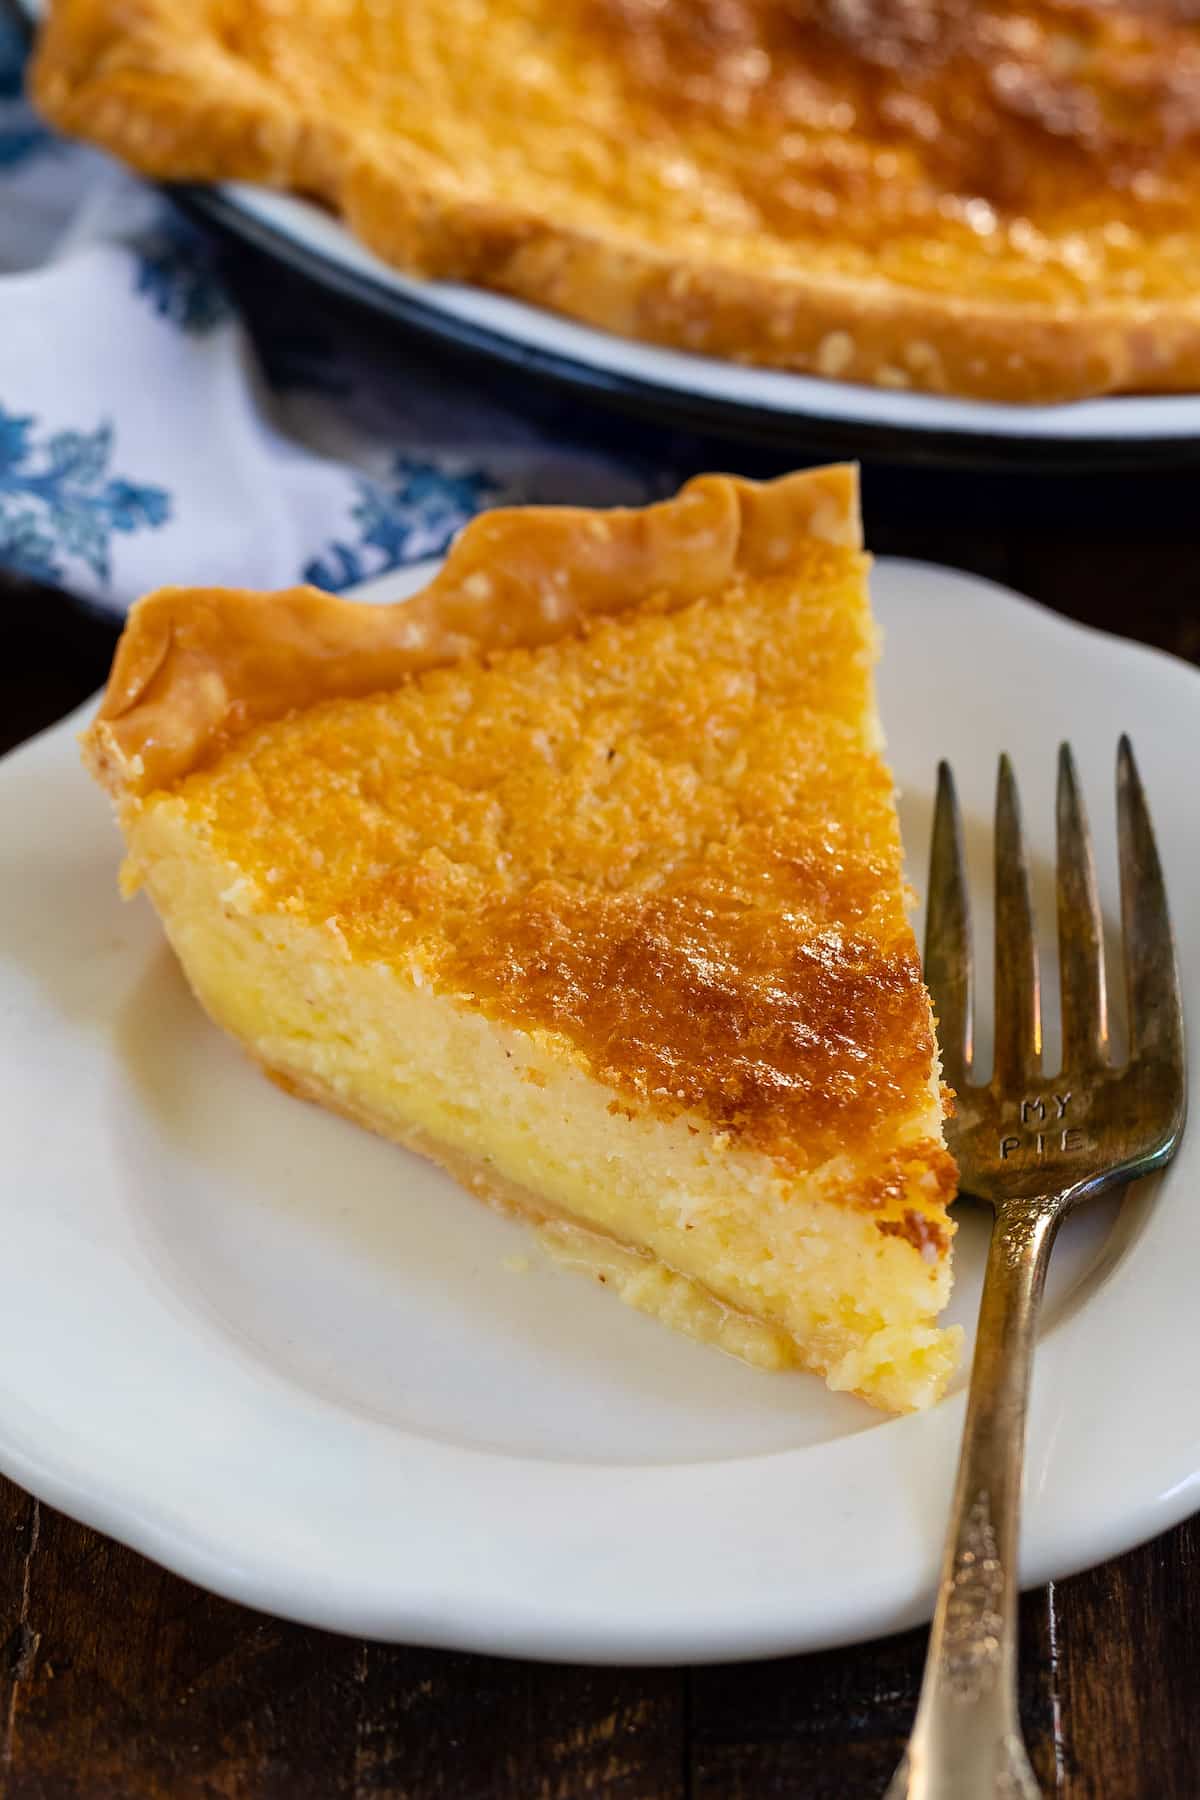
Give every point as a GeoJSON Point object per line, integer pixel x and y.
{"type": "Point", "coordinates": [1039, 107]}
{"type": "Point", "coordinates": [980, 196]}
{"type": "Point", "coordinates": [658, 827]}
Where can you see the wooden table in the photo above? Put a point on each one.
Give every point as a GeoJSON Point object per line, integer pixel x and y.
{"type": "Point", "coordinates": [118, 1681]}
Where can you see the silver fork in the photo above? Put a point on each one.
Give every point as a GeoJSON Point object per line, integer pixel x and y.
{"type": "Point", "coordinates": [1034, 1145]}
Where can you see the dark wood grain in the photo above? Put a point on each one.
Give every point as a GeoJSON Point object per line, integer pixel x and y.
{"type": "Point", "coordinates": [121, 1682]}
{"type": "Point", "coordinates": [835, 1724]}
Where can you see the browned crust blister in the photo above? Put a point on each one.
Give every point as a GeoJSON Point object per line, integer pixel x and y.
{"type": "Point", "coordinates": [151, 81]}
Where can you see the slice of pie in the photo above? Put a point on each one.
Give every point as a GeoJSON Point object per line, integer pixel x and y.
{"type": "Point", "coordinates": [997, 199]}
{"type": "Point", "coordinates": [579, 872]}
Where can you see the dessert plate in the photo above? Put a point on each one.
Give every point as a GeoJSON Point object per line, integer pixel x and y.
{"type": "Point", "coordinates": [703, 393]}
{"type": "Point", "coordinates": [302, 1368]}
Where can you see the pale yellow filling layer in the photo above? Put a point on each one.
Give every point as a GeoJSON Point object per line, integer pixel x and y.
{"type": "Point", "coordinates": [682, 1223]}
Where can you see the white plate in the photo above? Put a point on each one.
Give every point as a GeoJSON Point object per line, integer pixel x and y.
{"type": "Point", "coordinates": [288, 1360]}
{"type": "Point", "coordinates": [703, 391]}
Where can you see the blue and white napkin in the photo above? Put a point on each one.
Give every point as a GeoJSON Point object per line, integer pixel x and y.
{"type": "Point", "coordinates": [147, 436]}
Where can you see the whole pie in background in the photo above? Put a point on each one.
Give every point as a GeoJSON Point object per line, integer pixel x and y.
{"type": "Point", "coordinates": [997, 198]}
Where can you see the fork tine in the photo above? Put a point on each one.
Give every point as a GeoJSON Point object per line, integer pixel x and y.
{"type": "Point", "coordinates": [1018, 1011]}
{"type": "Point", "coordinates": [1151, 975]}
{"type": "Point", "coordinates": [948, 934]}
{"type": "Point", "coordinates": [1080, 926]}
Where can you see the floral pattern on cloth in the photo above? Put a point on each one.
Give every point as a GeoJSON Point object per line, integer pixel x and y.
{"type": "Point", "coordinates": [61, 504]}
{"type": "Point", "coordinates": [177, 272]}
{"type": "Point", "coordinates": [413, 516]}
{"type": "Point", "coordinates": [176, 409]}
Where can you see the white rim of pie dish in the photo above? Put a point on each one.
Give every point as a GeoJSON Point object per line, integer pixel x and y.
{"type": "Point", "coordinates": [1144, 417]}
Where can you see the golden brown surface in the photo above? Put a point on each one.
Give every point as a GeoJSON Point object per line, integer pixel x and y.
{"type": "Point", "coordinates": [664, 840]}
{"type": "Point", "coordinates": [664, 835]}
{"type": "Point", "coordinates": [995, 198]}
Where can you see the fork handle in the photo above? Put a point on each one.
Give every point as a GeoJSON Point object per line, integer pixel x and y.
{"type": "Point", "coordinates": [966, 1743]}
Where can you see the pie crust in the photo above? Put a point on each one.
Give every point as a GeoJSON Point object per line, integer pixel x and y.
{"type": "Point", "coordinates": [197, 667]}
